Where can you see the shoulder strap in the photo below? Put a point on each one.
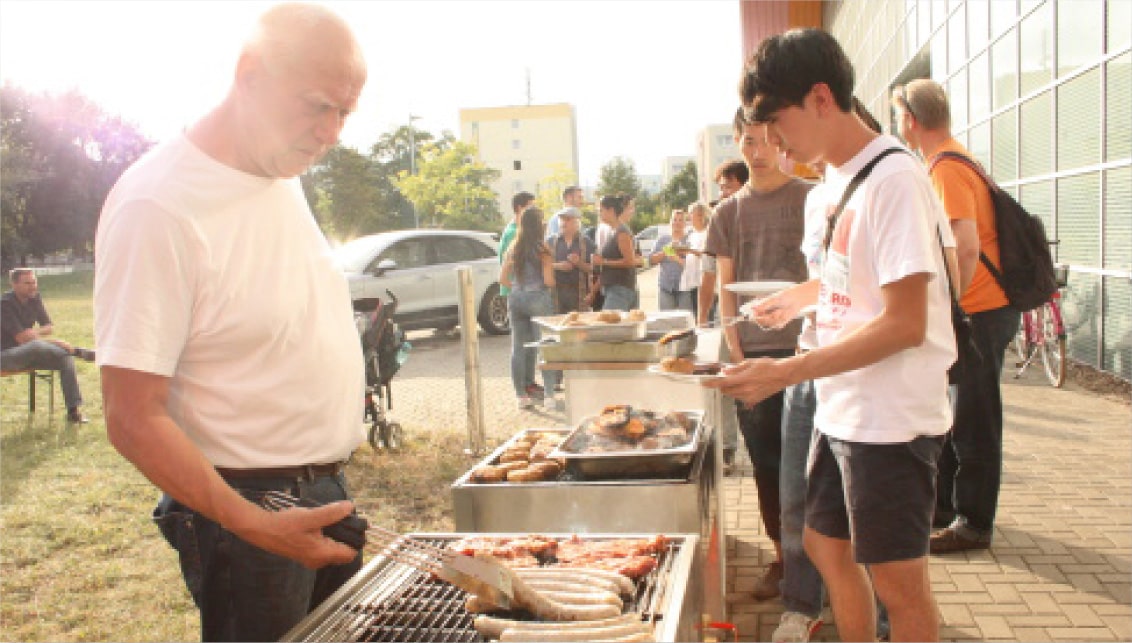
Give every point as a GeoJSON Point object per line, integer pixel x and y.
{"type": "Point", "coordinates": [991, 186]}
{"type": "Point", "coordinates": [856, 182]}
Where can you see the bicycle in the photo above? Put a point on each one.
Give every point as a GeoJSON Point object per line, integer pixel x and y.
{"type": "Point", "coordinates": [1042, 332]}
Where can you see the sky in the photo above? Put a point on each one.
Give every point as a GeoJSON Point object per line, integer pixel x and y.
{"type": "Point", "coordinates": [644, 76]}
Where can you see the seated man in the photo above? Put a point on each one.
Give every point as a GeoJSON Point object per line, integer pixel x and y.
{"type": "Point", "coordinates": [24, 327]}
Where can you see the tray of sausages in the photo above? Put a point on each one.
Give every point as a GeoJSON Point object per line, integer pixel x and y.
{"type": "Point", "coordinates": [524, 458]}
{"type": "Point", "coordinates": [627, 442]}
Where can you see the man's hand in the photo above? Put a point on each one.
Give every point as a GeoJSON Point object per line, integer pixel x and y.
{"type": "Point", "coordinates": [297, 534]}
{"type": "Point", "coordinates": [754, 380]}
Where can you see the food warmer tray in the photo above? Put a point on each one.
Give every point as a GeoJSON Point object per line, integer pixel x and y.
{"type": "Point", "coordinates": [623, 331]}
{"type": "Point", "coordinates": [629, 463]}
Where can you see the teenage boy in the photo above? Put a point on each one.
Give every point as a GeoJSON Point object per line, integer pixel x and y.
{"type": "Point", "coordinates": [970, 469]}
{"type": "Point", "coordinates": [755, 235]}
{"type": "Point", "coordinates": [885, 342]}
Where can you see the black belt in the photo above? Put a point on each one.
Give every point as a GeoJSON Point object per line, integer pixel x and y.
{"type": "Point", "coordinates": [307, 471]}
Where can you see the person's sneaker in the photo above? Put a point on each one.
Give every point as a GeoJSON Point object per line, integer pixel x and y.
{"type": "Point", "coordinates": [525, 403]}
{"type": "Point", "coordinates": [535, 391]}
{"type": "Point", "coordinates": [946, 541]}
{"type": "Point", "coordinates": [795, 627]}
{"type": "Point", "coordinates": [767, 586]}
{"type": "Point", "coordinates": [75, 416]}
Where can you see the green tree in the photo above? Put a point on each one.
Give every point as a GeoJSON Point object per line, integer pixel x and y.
{"type": "Point", "coordinates": [61, 154]}
{"type": "Point", "coordinates": [549, 196]}
{"type": "Point", "coordinates": [681, 190]}
{"type": "Point", "coordinates": [619, 176]}
{"type": "Point", "coordinates": [451, 189]}
{"type": "Point", "coordinates": [346, 188]}
{"type": "Point", "coordinates": [393, 154]}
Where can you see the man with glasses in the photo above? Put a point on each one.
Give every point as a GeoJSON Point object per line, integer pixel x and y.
{"type": "Point", "coordinates": [26, 342]}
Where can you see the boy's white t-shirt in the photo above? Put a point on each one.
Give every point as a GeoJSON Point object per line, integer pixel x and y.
{"type": "Point", "coordinates": [886, 232]}
{"type": "Point", "coordinates": [223, 282]}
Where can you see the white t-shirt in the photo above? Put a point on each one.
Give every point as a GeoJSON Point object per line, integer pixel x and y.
{"type": "Point", "coordinates": [886, 233]}
{"type": "Point", "coordinates": [223, 282]}
{"type": "Point", "coordinates": [816, 213]}
{"type": "Point", "coordinates": [603, 233]}
{"type": "Point", "coordinates": [690, 278]}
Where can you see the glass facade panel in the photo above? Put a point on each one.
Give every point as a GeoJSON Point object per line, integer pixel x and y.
{"type": "Point", "coordinates": [1037, 198]}
{"type": "Point", "coordinates": [978, 23]}
{"type": "Point", "coordinates": [924, 22]}
{"type": "Point", "coordinates": [1079, 26]}
{"type": "Point", "coordinates": [1003, 15]}
{"type": "Point", "coordinates": [911, 39]}
{"type": "Point", "coordinates": [980, 143]}
{"type": "Point", "coordinates": [1080, 305]}
{"type": "Point", "coordinates": [1036, 36]}
{"type": "Point", "coordinates": [1119, 24]}
{"type": "Point", "coordinates": [1118, 219]}
{"type": "Point", "coordinates": [1117, 317]}
{"type": "Point", "coordinates": [938, 55]}
{"type": "Point", "coordinates": [957, 40]}
{"type": "Point", "coordinates": [1078, 201]}
{"type": "Point", "coordinates": [939, 13]}
{"type": "Point", "coordinates": [1118, 126]}
{"type": "Point", "coordinates": [1004, 68]}
{"type": "Point", "coordinates": [1004, 132]}
{"type": "Point", "coordinates": [957, 100]}
{"type": "Point", "coordinates": [1037, 135]}
{"type": "Point", "coordinates": [978, 87]}
{"type": "Point", "coordinates": [1078, 121]}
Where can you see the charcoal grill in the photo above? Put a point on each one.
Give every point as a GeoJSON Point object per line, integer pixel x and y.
{"type": "Point", "coordinates": [390, 601]}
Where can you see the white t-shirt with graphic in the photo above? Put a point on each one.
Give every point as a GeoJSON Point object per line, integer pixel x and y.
{"type": "Point", "coordinates": [887, 232]}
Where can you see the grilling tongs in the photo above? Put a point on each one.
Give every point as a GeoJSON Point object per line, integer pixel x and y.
{"type": "Point", "coordinates": [483, 577]}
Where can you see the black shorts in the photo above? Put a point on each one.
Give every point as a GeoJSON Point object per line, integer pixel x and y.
{"type": "Point", "coordinates": [879, 496]}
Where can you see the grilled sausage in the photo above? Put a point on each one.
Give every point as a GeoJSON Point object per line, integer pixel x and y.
{"type": "Point", "coordinates": [624, 586]}
{"type": "Point", "coordinates": [613, 632]}
{"type": "Point", "coordinates": [492, 627]}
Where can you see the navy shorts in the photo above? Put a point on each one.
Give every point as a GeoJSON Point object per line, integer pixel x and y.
{"type": "Point", "coordinates": [879, 496]}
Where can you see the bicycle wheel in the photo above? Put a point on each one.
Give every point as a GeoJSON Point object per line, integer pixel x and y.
{"type": "Point", "coordinates": [1053, 346]}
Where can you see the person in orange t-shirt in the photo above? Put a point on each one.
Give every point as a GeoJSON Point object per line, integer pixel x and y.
{"type": "Point", "coordinates": [970, 468]}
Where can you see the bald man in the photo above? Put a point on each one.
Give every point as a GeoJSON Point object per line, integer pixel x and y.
{"type": "Point", "coordinates": [230, 362]}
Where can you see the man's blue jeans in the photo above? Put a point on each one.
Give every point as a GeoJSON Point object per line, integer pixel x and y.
{"type": "Point", "coordinates": [802, 588]}
{"type": "Point", "coordinates": [45, 356]}
{"type": "Point", "coordinates": [523, 305]}
{"type": "Point", "coordinates": [620, 298]}
{"type": "Point", "coordinates": [678, 300]}
{"type": "Point", "coordinates": [970, 467]}
{"type": "Point", "coordinates": [243, 592]}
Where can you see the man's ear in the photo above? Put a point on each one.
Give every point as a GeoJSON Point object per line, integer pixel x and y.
{"type": "Point", "coordinates": [823, 98]}
{"type": "Point", "coordinates": [249, 71]}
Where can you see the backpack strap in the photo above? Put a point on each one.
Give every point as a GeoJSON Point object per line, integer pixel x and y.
{"type": "Point", "coordinates": [991, 186]}
{"type": "Point", "coordinates": [854, 183]}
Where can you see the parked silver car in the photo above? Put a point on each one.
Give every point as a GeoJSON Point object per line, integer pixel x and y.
{"type": "Point", "coordinates": [646, 239]}
{"type": "Point", "coordinates": [419, 266]}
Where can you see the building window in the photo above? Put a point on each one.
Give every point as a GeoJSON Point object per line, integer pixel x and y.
{"type": "Point", "coordinates": [724, 140]}
{"type": "Point", "coordinates": [514, 123]}
{"type": "Point", "coordinates": [518, 165]}
{"type": "Point", "coordinates": [515, 144]}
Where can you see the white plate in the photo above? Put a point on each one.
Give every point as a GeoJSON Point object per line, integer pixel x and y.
{"type": "Point", "coordinates": [758, 288]}
{"type": "Point", "coordinates": [655, 369]}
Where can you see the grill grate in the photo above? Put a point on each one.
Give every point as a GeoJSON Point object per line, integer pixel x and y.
{"type": "Point", "coordinates": [398, 603]}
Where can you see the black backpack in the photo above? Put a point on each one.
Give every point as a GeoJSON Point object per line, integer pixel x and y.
{"type": "Point", "coordinates": [1027, 275]}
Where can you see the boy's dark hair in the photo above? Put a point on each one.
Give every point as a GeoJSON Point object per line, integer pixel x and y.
{"type": "Point", "coordinates": [739, 121]}
{"type": "Point", "coordinates": [521, 200]}
{"type": "Point", "coordinates": [786, 67]}
{"type": "Point", "coordinates": [735, 169]}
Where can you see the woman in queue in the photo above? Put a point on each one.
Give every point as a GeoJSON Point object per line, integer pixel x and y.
{"type": "Point", "coordinates": [616, 258]}
{"type": "Point", "coordinates": [528, 270]}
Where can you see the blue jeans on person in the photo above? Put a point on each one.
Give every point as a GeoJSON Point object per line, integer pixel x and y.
{"type": "Point", "coordinates": [970, 467]}
{"type": "Point", "coordinates": [761, 426]}
{"type": "Point", "coordinates": [523, 305]}
{"type": "Point", "coordinates": [619, 298]}
{"type": "Point", "coordinates": [42, 355]}
{"type": "Point", "coordinates": [678, 300]}
{"type": "Point", "coordinates": [243, 592]}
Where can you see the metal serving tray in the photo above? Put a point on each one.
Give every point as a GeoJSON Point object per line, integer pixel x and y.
{"type": "Point", "coordinates": [624, 331]}
{"type": "Point", "coordinates": [647, 350]}
{"type": "Point", "coordinates": [629, 463]}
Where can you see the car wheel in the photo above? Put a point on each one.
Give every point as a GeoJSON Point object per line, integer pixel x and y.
{"type": "Point", "coordinates": [493, 317]}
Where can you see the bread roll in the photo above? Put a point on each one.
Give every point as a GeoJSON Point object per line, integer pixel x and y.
{"type": "Point", "coordinates": [677, 365]}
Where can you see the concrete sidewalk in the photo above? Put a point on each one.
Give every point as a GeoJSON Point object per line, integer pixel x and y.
{"type": "Point", "coordinates": [1060, 565]}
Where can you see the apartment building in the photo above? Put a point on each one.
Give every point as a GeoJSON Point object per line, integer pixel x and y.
{"type": "Point", "coordinates": [528, 144]}
{"type": "Point", "coordinates": [714, 145]}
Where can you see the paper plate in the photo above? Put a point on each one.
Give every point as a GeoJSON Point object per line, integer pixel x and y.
{"type": "Point", "coordinates": [758, 288]}
{"type": "Point", "coordinates": [655, 369]}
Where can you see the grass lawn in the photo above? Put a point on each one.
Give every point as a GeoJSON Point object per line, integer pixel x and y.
{"type": "Point", "coordinates": [80, 559]}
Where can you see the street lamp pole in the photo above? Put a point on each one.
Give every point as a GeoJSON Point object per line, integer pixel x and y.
{"type": "Point", "coordinates": [413, 164]}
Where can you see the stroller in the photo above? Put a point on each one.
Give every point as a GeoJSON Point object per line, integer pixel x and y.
{"type": "Point", "coordinates": [385, 350]}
